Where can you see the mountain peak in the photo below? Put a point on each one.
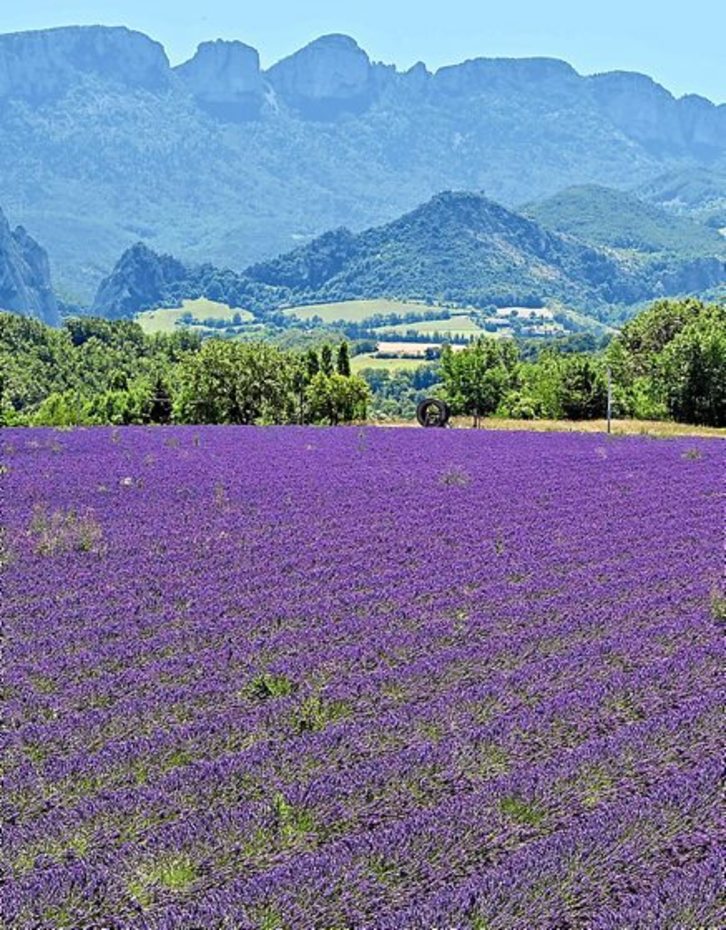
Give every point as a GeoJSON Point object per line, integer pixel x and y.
{"type": "Point", "coordinates": [335, 40]}
{"type": "Point", "coordinates": [225, 77]}
{"type": "Point", "coordinates": [503, 74]}
{"type": "Point", "coordinates": [469, 208]}
{"type": "Point", "coordinates": [652, 116]}
{"type": "Point", "coordinates": [328, 76]}
{"type": "Point", "coordinates": [138, 281]}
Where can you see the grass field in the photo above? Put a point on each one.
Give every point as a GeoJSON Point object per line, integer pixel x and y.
{"type": "Point", "coordinates": [459, 325]}
{"type": "Point", "coordinates": [360, 362]}
{"type": "Point", "coordinates": [619, 427]}
{"type": "Point", "coordinates": [165, 319]}
{"type": "Point", "coordinates": [413, 349]}
{"type": "Point", "coordinates": [356, 311]}
{"type": "Point", "coordinates": [655, 428]}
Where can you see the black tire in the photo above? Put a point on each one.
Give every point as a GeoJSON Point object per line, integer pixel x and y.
{"type": "Point", "coordinates": [432, 412]}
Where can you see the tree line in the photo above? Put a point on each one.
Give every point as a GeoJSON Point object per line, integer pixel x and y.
{"type": "Point", "coordinates": [667, 363]}
{"type": "Point", "coordinates": [94, 372]}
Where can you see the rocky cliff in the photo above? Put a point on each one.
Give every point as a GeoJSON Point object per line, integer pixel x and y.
{"type": "Point", "coordinates": [330, 76]}
{"type": "Point", "coordinates": [541, 76]}
{"type": "Point", "coordinates": [39, 65]}
{"type": "Point", "coordinates": [333, 75]}
{"type": "Point", "coordinates": [225, 78]}
{"type": "Point", "coordinates": [25, 285]}
{"type": "Point", "coordinates": [140, 279]}
{"type": "Point", "coordinates": [647, 113]}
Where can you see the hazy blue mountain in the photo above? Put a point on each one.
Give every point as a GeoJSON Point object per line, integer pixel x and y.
{"type": "Point", "coordinates": [458, 247]}
{"type": "Point", "coordinates": [103, 143]}
{"type": "Point", "coordinates": [25, 285]}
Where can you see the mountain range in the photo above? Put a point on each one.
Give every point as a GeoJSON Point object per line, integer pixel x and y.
{"type": "Point", "coordinates": [103, 143]}
{"type": "Point", "coordinates": [458, 248]}
{"type": "Point", "coordinates": [588, 248]}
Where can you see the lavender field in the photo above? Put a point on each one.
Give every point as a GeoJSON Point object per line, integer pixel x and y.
{"type": "Point", "coordinates": [297, 677]}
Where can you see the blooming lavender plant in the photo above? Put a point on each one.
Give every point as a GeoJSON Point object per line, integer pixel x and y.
{"type": "Point", "coordinates": [285, 678]}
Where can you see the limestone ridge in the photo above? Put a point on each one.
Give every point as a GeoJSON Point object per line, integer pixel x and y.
{"type": "Point", "coordinates": [333, 76]}
{"type": "Point", "coordinates": [25, 285]}
{"type": "Point", "coordinates": [651, 115]}
{"type": "Point", "coordinates": [126, 145]}
{"type": "Point", "coordinates": [46, 64]}
{"type": "Point", "coordinates": [540, 75]}
{"type": "Point", "coordinates": [326, 79]}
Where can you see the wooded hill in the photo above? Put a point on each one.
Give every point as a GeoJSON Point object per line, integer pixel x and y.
{"type": "Point", "coordinates": [459, 248]}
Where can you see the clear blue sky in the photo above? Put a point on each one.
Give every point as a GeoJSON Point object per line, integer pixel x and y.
{"type": "Point", "coordinates": [681, 43]}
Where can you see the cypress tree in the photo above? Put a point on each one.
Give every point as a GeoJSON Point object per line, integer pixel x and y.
{"type": "Point", "coordinates": [343, 361]}
{"type": "Point", "coordinates": [326, 360]}
{"type": "Point", "coordinates": [312, 363]}
{"type": "Point", "coordinates": [161, 403]}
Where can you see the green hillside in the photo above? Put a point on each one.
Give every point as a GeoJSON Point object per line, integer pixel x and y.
{"type": "Point", "coordinates": [697, 192]}
{"type": "Point", "coordinates": [458, 248]}
{"type": "Point", "coordinates": [462, 248]}
{"type": "Point", "coordinates": [620, 220]}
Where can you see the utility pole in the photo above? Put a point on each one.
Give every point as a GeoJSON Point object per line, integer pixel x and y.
{"type": "Point", "coordinates": [610, 397]}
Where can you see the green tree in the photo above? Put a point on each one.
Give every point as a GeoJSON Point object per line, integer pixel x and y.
{"type": "Point", "coordinates": [665, 361]}
{"type": "Point", "coordinates": [337, 399]}
{"type": "Point", "coordinates": [476, 378]}
{"type": "Point", "coordinates": [236, 382]}
{"type": "Point", "coordinates": [118, 381]}
{"type": "Point", "coordinates": [85, 357]}
{"type": "Point", "coordinates": [536, 391]}
{"type": "Point", "coordinates": [342, 363]}
{"type": "Point", "coordinates": [312, 363]}
{"type": "Point", "coordinates": [691, 371]}
{"type": "Point", "coordinates": [161, 402]}
{"type": "Point", "coordinates": [645, 336]}
{"type": "Point", "coordinates": [58, 409]}
{"type": "Point", "coordinates": [300, 379]}
{"type": "Point", "coordinates": [583, 387]}
{"type": "Point", "coordinates": [326, 360]}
